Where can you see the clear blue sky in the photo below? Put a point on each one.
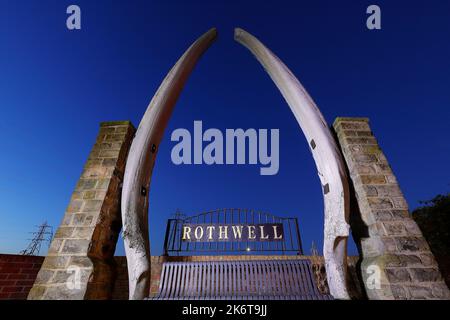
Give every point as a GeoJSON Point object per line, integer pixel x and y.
{"type": "Point", "coordinates": [57, 85]}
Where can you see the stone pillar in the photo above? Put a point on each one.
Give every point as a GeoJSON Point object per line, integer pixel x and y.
{"type": "Point", "coordinates": [391, 245]}
{"type": "Point", "coordinates": [80, 262]}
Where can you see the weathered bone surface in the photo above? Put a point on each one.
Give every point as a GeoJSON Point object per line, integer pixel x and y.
{"type": "Point", "coordinates": [140, 162]}
{"type": "Point", "coordinates": [328, 159]}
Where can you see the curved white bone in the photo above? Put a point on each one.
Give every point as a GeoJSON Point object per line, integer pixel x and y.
{"type": "Point", "coordinates": [328, 159]}
{"type": "Point", "coordinates": [140, 162]}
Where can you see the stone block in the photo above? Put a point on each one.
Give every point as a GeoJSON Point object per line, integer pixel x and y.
{"type": "Point", "coordinates": [400, 292]}
{"type": "Point", "coordinates": [396, 275]}
{"type": "Point", "coordinates": [75, 206]}
{"type": "Point", "coordinates": [425, 274]}
{"type": "Point", "coordinates": [408, 260]}
{"type": "Point", "coordinates": [420, 292]}
{"type": "Point", "coordinates": [80, 261]}
{"type": "Point", "coordinates": [411, 244]}
{"type": "Point", "coordinates": [82, 232]}
{"type": "Point", "coordinates": [380, 203]}
{"type": "Point", "coordinates": [389, 191]}
{"type": "Point", "coordinates": [373, 179]}
{"type": "Point", "coordinates": [55, 262]}
{"type": "Point", "coordinates": [64, 232]}
{"type": "Point", "coordinates": [440, 291]}
{"type": "Point", "coordinates": [92, 205]}
{"type": "Point", "coordinates": [37, 292]}
{"type": "Point", "coordinates": [44, 276]}
{"type": "Point", "coordinates": [79, 246]}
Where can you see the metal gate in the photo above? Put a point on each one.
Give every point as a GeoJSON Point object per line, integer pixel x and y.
{"type": "Point", "coordinates": [289, 244]}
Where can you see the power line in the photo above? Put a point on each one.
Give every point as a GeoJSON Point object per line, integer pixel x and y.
{"type": "Point", "coordinates": [44, 233]}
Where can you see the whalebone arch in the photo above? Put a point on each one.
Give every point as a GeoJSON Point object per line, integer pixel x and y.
{"type": "Point", "coordinates": [144, 148]}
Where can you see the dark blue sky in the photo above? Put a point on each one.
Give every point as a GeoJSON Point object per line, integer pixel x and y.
{"type": "Point", "coordinates": [57, 85]}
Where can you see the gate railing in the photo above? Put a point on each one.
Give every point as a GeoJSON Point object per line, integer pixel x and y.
{"type": "Point", "coordinates": [289, 244]}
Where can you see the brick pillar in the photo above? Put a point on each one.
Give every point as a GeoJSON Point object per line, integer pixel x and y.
{"type": "Point", "coordinates": [392, 244]}
{"type": "Point", "coordinates": [84, 244]}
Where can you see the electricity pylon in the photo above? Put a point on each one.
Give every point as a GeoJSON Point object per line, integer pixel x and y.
{"type": "Point", "coordinates": [44, 233]}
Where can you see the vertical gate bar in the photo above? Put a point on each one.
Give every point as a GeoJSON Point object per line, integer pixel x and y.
{"type": "Point", "coordinates": [161, 280]}
{"type": "Point", "coordinates": [183, 280]}
{"type": "Point", "coordinates": [211, 222]}
{"type": "Point", "coordinates": [302, 277]}
{"type": "Point", "coordinates": [261, 281]}
{"type": "Point", "coordinates": [238, 279]}
{"type": "Point", "coordinates": [296, 279]}
{"type": "Point", "coordinates": [239, 222]}
{"type": "Point", "coordinates": [264, 280]}
{"type": "Point", "coordinates": [215, 282]}
{"type": "Point", "coordinates": [267, 278]}
{"type": "Point", "coordinates": [166, 281]}
{"type": "Point", "coordinates": [290, 235]}
{"type": "Point", "coordinates": [225, 222]}
{"type": "Point", "coordinates": [235, 280]}
{"type": "Point", "coordinates": [232, 220]}
{"type": "Point", "coordinates": [195, 242]}
{"type": "Point", "coordinates": [191, 279]}
{"type": "Point", "coordinates": [202, 280]}
{"type": "Point", "coordinates": [280, 277]}
{"type": "Point", "coordinates": [166, 238]}
{"type": "Point", "coordinates": [187, 242]}
{"type": "Point", "coordinates": [273, 277]}
{"type": "Point", "coordinates": [211, 279]}
{"type": "Point", "coordinates": [247, 222]}
{"type": "Point", "coordinates": [218, 222]}
{"type": "Point", "coordinates": [221, 276]}
{"type": "Point", "coordinates": [275, 245]}
{"type": "Point", "coordinates": [171, 281]}
{"type": "Point", "coordinates": [286, 278]}
{"type": "Point", "coordinates": [176, 276]}
{"type": "Point", "coordinates": [306, 268]}
{"type": "Point", "coordinates": [178, 283]}
{"type": "Point", "coordinates": [226, 281]}
{"type": "Point", "coordinates": [252, 279]}
{"type": "Point", "coordinates": [259, 222]}
{"type": "Point", "coordinates": [299, 239]}
{"type": "Point", "coordinates": [277, 280]}
{"type": "Point", "coordinates": [245, 290]}
{"type": "Point", "coordinates": [289, 279]}
{"type": "Point", "coordinates": [187, 279]}
{"type": "Point", "coordinates": [177, 243]}
{"type": "Point", "coordinates": [266, 218]}
{"type": "Point", "coordinates": [204, 223]}
{"type": "Point", "coordinates": [199, 281]}
{"type": "Point", "coordinates": [308, 271]}
{"type": "Point", "coordinates": [205, 279]}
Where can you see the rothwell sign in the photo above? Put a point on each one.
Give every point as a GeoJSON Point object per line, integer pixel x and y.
{"type": "Point", "coordinates": [232, 232]}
